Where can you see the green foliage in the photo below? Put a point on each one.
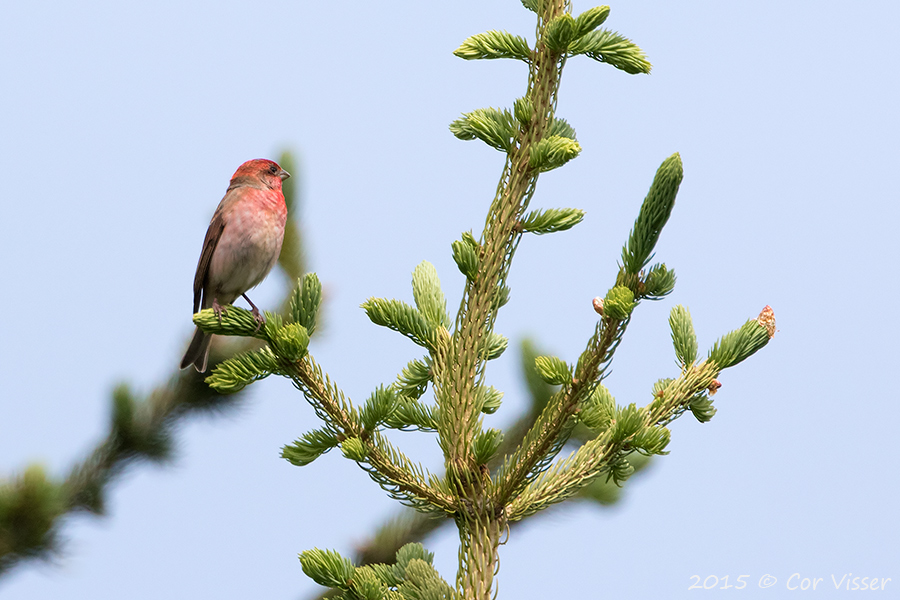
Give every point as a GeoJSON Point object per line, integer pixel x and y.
{"type": "Point", "coordinates": [496, 128]}
{"type": "Point", "coordinates": [629, 420]}
{"type": "Point", "coordinates": [354, 449]}
{"type": "Point", "coordinates": [660, 282]}
{"type": "Point", "coordinates": [409, 553]}
{"type": "Point", "coordinates": [620, 471]}
{"type": "Point", "coordinates": [683, 336]}
{"type": "Point", "coordinates": [560, 127]}
{"type": "Point", "coordinates": [416, 575]}
{"type": "Point", "coordinates": [401, 317]}
{"type": "Point", "coordinates": [551, 220]}
{"type": "Point", "coordinates": [659, 388]}
{"type": "Point", "coordinates": [305, 301]}
{"type": "Point", "coordinates": [428, 295]}
{"type": "Point", "coordinates": [553, 152]}
{"type": "Point", "coordinates": [605, 492]}
{"type": "Point", "coordinates": [496, 345]}
{"type": "Point", "coordinates": [32, 506]}
{"type": "Point", "coordinates": [291, 258]}
{"type": "Point", "coordinates": [366, 585]}
{"type": "Point", "coordinates": [478, 487]}
{"type": "Point", "coordinates": [486, 444]}
{"type": "Point", "coordinates": [327, 568]}
{"type": "Point", "coordinates": [560, 32]}
{"type": "Point", "coordinates": [290, 341]}
{"type": "Point", "coordinates": [599, 409]}
{"type": "Point", "coordinates": [494, 44]}
{"type": "Point", "coordinates": [651, 440]}
{"type": "Point", "coordinates": [501, 297]}
{"type": "Point", "coordinates": [612, 48]}
{"type": "Point", "coordinates": [310, 446]}
{"type": "Point", "coordinates": [465, 254]}
{"type": "Point", "coordinates": [423, 582]}
{"type": "Point", "coordinates": [702, 408]}
{"type": "Point", "coordinates": [539, 390]}
{"type": "Point", "coordinates": [241, 370]}
{"type": "Point", "coordinates": [738, 345]}
{"type": "Point", "coordinates": [653, 215]}
{"type": "Point", "coordinates": [29, 507]}
{"type": "Point", "coordinates": [414, 378]}
{"type": "Point", "coordinates": [411, 577]}
{"type": "Point", "coordinates": [412, 414]}
{"type": "Point", "coordinates": [378, 408]}
{"type": "Point", "coordinates": [480, 491]}
{"type": "Point", "coordinates": [384, 573]}
{"type": "Point", "coordinates": [619, 303]}
{"type": "Point", "coordinates": [134, 431]}
{"type": "Point", "coordinates": [235, 321]}
{"type": "Point", "coordinates": [523, 109]}
{"type": "Point", "coordinates": [590, 20]}
{"type": "Point", "coordinates": [270, 328]}
{"type": "Point", "coordinates": [553, 370]}
{"type": "Point", "coordinates": [488, 399]}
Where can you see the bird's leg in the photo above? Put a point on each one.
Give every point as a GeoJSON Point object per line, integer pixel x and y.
{"type": "Point", "coordinates": [259, 318]}
{"type": "Point", "coordinates": [218, 309]}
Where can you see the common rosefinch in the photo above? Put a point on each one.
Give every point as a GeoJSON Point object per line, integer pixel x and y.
{"type": "Point", "coordinates": [242, 245]}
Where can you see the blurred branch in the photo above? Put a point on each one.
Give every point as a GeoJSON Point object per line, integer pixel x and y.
{"type": "Point", "coordinates": [292, 260]}
{"type": "Point", "coordinates": [32, 505]}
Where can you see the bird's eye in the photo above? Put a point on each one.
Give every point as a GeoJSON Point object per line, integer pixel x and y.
{"type": "Point", "coordinates": [273, 169]}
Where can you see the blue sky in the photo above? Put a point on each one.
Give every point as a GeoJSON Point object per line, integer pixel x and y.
{"type": "Point", "coordinates": [120, 126]}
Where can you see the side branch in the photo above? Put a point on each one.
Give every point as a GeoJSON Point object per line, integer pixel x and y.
{"type": "Point", "coordinates": [550, 431]}
{"type": "Point", "coordinates": [32, 505]}
{"type": "Point", "coordinates": [597, 456]}
{"type": "Point", "coordinates": [405, 480]}
{"type": "Point", "coordinates": [678, 394]}
{"type": "Point", "coordinates": [564, 479]}
{"type": "Point", "coordinates": [396, 474]}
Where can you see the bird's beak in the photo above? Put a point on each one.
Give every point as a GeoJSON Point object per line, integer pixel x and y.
{"type": "Point", "coordinates": [283, 174]}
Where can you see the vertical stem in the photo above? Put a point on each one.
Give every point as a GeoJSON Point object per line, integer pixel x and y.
{"type": "Point", "coordinates": [480, 528]}
{"type": "Point", "coordinates": [459, 359]}
{"type": "Point", "coordinates": [457, 377]}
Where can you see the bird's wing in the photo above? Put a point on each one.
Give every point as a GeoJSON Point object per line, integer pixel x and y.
{"type": "Point", "coordinates": [216, 226]}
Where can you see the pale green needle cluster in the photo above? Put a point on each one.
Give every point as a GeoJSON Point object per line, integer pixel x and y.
{"type": "Point", "coordinates": [481, 499]}
{"type": "Point", "coordinates": [487, 484]}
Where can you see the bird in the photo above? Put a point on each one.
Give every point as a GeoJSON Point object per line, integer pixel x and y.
{"type": "Point", "coordinates": [242, 245]}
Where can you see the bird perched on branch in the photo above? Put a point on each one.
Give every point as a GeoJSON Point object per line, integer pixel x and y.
{"type": "Point", "coordinates": [242, 245]}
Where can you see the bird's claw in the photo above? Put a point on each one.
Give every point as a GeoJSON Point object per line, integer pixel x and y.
{"type": "Point", "coordinates": [260, 320]}
{"type": "Point", "coordinates": [219, 310]}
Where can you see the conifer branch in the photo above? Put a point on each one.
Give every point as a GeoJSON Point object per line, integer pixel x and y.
{"type": "Point", "coordinates": [411, 575]}
{"type": "Point", "coordinates": [414, 526]}
{"type": "Point", "coordinates": [550, 432]}
{"type": "Point", "coordinates": [394, 472]}
{"type": "Point", "coordinates": [482, 492]}
{"type": "Point", "coordinates": [623, 434]}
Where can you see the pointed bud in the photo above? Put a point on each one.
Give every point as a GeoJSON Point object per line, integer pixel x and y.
{"type": "Point", "coordinates": [767, 319]}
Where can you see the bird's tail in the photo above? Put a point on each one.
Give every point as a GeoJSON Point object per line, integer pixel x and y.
{"type": "Point", "coordinates": [198, 352]}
